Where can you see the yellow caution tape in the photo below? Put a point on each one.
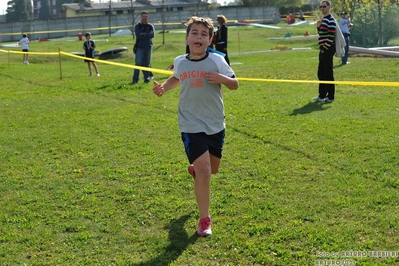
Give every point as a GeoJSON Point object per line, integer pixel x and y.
{"type": "Point", "coordinates": [168, 72]}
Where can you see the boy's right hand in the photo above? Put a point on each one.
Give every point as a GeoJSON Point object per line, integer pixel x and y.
{"type": "Point", "coordinates": [158, 89]}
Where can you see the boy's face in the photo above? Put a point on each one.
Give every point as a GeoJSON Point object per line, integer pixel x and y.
{"type": "Point", "coordinates": [198, 39]}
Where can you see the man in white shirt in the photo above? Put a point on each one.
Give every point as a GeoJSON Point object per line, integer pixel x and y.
{"type": "Point", "coordinates": [345, 25]}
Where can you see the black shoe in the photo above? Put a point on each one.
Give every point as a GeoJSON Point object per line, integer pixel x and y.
{"type": "Point", "coordinates": [133, 82]}
{"type": "Point", "coordinates": [147, 81]}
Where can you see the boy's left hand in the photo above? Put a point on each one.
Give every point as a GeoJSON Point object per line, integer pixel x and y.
{"type": "Point", "coordinates": [214, 77]}
{"type": "Point", "coordinates": [158, 89]}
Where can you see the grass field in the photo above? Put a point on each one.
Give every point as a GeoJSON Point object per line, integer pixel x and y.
{"type": "Point", "coordinates": [93, 171]}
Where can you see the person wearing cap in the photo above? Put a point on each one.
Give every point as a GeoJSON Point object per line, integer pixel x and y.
{"type": "Point", "coordinates": [345, 25]}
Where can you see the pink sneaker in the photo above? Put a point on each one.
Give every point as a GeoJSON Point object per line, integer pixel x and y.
{"type": "Point", "coordinates": [204, 227]}
{"type": "Point", "coordinates": [191, 171]}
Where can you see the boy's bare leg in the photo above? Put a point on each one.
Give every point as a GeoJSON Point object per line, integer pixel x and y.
{"type": "Point", "coordinates": [204, 166]}
{"type": "Point", "coordinates": [95, 66]}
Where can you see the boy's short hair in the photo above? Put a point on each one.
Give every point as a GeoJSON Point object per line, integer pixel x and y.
{"type": "Point", "coordinates": [24, 35]}
{"type": "Point", "coordinates": [144, 13]}
{"type": "Point", "coordinates": [87, 34]}
{"type": "Point", "coordinates": [207, 22]}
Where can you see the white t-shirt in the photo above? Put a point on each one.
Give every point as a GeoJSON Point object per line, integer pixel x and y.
{"type": "Point", "coordinates": [24, 43]}
{"type": "Point", "coordinates": [201, 106]}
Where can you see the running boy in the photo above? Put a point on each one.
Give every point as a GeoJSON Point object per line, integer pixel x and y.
{"type": "Point", "coordinates": [25, 48]}
{"type": "Point", "coordinates": [89, 46]}
{"type": "Point", "coordinates": [201, 110]}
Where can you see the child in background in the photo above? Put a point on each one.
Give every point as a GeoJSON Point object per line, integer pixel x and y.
{"type": "Point", "coordinates": [89, 46]}
{"type": "Point", "coordinates": [200, 75]}
{"type": "Point", "coordinates": [25, 48]}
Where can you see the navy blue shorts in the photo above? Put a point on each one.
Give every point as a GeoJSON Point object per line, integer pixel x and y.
{"type": "Point", "coordinates": [89, 54]}
{"type": "Point", "coordinates": [197, 144]}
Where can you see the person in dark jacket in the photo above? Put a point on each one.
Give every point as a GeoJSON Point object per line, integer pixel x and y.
{"type": "Point", "coordinates": [221, 39]}
{"type": "Point", "coordinates": [144, 32]}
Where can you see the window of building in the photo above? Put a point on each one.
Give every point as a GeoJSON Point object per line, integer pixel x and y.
{"type": "Point", "coordinates": [54, 11]}
{"type": "Point", "coordinates": [180, 8]}
{"type": "Point", "coordinates": [119, 12]}
{"type": "Point", "coordinates": [54, 2]}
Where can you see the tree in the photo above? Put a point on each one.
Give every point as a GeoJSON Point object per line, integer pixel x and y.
{"type": "Point", "coordinates": [374, 23]}
{"type": "Point", "coordinates": [164, 19]}
{"type": "Point", "coordinates": [18, 10]}
{"type": "Point", "coordinates": [59, 3]}
{"type": "Point", "coordinates": [133, 18]}
{"type": "Point", "coordinates": [44, 11]}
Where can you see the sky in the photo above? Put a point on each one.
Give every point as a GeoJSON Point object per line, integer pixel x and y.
{"type": "Point", "coordinates": [3, 4]}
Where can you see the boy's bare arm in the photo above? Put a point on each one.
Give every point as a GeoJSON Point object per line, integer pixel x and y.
{"type": "Point", "coordinates": [170, 83]}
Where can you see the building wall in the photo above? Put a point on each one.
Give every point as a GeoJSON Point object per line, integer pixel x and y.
{"type": "Point", "coordinates": [63, 27]}
{"type": "Point", "coordinates": [54, 11]}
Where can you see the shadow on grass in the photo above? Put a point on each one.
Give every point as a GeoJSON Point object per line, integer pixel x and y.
{"type": "Point", "coordinates": [338, 66]}
{"type": "Point", "coordinates": [267, 141]}
{"type": "Point", "coordinates": [310, 107]}
{"type": "Point", "coordinates": [179, 240]}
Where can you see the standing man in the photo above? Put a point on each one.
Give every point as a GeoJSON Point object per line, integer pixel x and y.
{"type": "Point", "coordinates": [345, 25]}
{"type": "Point", "coordinates": [274, 18]}
{"type": "Point", "coordinates": [301, 17]}
{"type": "Point", "coordinates": [144, 32]}
{"type": "Point", "coordinates": [326, 28]}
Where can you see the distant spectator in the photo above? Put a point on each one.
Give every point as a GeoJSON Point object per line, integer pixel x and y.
{"type": "Point", "coordinates": [345, 25]}
{"type": "Point", "coordinates": [144, 32]}
{"type": "Point", "coordinates": [274, 18]}
{"type": "Point", "coordinates": [89, 47]}
{"type": "Point", "coordinates": [221, 40]}
{"type": "Point", "coordinates": [290, 19]}
{"type": "Point", "coordinates": [301, 17]}
{"type": "Point", "coordinates": [25, 48]}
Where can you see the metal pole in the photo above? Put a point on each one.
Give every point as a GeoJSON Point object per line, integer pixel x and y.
{"type": "Point", "coordinates": [109, 19]}
{"type": "Point", "coordinates": [59, 60]}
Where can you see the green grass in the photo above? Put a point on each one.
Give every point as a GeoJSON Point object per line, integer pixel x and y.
{"type": "Point", "coordinates": [93, 171]}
